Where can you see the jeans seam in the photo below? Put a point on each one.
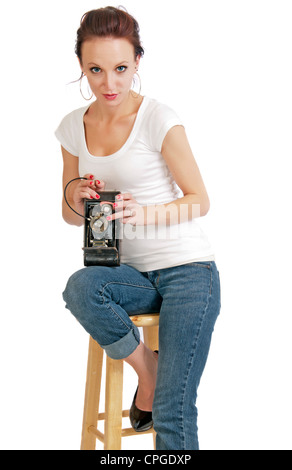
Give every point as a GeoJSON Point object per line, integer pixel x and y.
{"type": "Point", "coordinates": [117, 316]}
{"type": "Point", "coordinates": [112, 309]}
{"type": "Point", "coordinates": [127, 284]}
{"type": "Point", "coordinates": [192, 359]}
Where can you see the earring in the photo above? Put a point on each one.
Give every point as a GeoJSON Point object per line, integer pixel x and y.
{"type": "Point", "coordinates": [140, 84]}
{"type": "Point", "coordinates": [88, 89]}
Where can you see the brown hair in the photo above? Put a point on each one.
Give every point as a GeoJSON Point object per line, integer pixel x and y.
{"type": "Point", "coordinates": [108, 22]}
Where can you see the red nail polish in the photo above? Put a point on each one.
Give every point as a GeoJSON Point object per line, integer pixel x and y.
{"type": "Point", "coordinates": [91, 183]}
{"type": "Point", "coordinates": [115, 204]}
{"type": "Point", "coordinates": [108, 217]}
{"type": "Point", "coordinates": [97, 196]}
{"type": "Point", "coordinates": [91, 177]}
{"type": "Point", "coordinates": [98, 182]}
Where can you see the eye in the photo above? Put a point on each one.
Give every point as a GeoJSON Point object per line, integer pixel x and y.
{"type": "Point", "coordinates": [121, 68]}
{"type": "Point", "coordinates": [95, 69]}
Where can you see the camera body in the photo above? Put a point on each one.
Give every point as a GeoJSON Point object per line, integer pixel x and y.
{"type": "Point", "coordinates": [101, 237]}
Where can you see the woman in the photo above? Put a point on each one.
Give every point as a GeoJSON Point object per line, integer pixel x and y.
{"type": "Point", "coordinates": [136, 145]}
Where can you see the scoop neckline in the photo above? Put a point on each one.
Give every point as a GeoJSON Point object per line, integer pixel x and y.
{"type": "Point", "coordinates": [125, 145]}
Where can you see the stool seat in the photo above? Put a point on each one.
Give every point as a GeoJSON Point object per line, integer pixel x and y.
{"type": "Point", "coordinates": [146, 319]}
{"type": "Point", "coordinates": [113, 414]}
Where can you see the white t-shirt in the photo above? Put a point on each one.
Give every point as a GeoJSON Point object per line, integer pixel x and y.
{"type": "Point", "coordinates": [139, 168]}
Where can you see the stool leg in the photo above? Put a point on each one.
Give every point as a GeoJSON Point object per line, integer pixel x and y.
{"type": "Point", "coordinates": [113, 404]}
{"type": "Point", "coordinates": [150, 334]}
{"type": "Point", "coordinates": [92, 394]}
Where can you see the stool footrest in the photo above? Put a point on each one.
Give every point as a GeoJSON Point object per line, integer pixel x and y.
{"type": "Point", "coordinates": [99, 435]}
{"type": "Point", "coordinates": [131, 432]}
{"type": "Point", "coordinates": [125, 414]}
{"type": "Point", "coordinates": [125, 432]}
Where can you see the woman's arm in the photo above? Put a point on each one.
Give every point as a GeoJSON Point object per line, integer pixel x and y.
{"type": "Point", "coordinates": [180, 160]}
{"type": "Point", "coordinates": [77, 191]}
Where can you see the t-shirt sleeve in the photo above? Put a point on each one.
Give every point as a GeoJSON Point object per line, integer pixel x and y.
{"type": "Point", "coordinates": [162, 119]}
{"type": "Point", "coordinates": [66, 134]}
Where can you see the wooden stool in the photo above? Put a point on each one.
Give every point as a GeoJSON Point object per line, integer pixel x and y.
{"type": "Point", "coordinates": [113, 431]}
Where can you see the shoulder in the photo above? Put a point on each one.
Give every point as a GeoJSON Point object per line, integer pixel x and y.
{"type": "Point", "coordinates": [159, 110]}
{"type": "Point", "coordinates": [69, 131]}
{"type": "Point", "coordinates": [159, 118]}
{"type": "Point", "coordinates": [74, 116]}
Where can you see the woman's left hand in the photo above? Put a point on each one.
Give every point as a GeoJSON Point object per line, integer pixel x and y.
{"type": "Point", "coordinates": [128, 210]}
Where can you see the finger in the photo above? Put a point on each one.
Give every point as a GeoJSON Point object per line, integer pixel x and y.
{"type": "Point", "coordinates": [115, 216]}
{"type": "Point", "coordinates": [107, 202]}
{"type": "Point", "coordinates": [121, 204]}
{"type": "Point", "coordinates": [125, 197]}
{"type": "Point", "coordinates": [122, 214]}
{"type": "Point", "coordinates": [86, 183]}
{"type": "Point", "coordinates": [86, 190]}
{"type": "Point", "coordinates": [91, 193]}
{"type": "Point", "coordinates": [118, 207]}
{"type": "Point", "coordinates": [100, 185]}
{"type": "Point", "coordinates": [97, 183]}
{"type": "Point", "coordinates": [88, 194]}
{"type": "Point", "coordinates": [89, 176]}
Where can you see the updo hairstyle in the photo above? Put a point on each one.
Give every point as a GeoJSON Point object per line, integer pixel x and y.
{"type": "Point", "coordinates": [108, 22]}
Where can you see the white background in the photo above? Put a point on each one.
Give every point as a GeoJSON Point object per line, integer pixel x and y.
{"type": "Point", "coordinates": [225, 67]}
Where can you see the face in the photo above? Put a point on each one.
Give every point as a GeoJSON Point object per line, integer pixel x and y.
{"type": "Point", "coordinates": [109, 64]}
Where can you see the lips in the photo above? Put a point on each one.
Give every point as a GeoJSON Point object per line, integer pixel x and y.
{"type": "Point", "coordinates": [110, 97]}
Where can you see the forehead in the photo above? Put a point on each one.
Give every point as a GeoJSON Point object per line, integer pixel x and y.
{"type": "Point", "coordinates": [107, 50]}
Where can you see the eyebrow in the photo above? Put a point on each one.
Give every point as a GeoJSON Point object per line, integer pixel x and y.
{"type": "Point", "coordinates": [120, 63]}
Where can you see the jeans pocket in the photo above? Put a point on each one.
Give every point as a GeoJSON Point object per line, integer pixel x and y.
{"type": "Point", "coordinates": [201, 264]}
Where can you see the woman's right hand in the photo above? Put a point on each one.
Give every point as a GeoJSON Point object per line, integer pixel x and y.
{"type": "Point", "coordinates": [87, 189]}
{"type": "Point", "coordinates": [76, 193]}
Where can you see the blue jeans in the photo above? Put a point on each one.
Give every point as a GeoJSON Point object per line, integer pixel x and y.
{"type": "Point", "coordinates": [188, 298]}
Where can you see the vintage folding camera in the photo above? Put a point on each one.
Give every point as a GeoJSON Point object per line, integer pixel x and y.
{"type": "Point", "coordinates": [101, 237]}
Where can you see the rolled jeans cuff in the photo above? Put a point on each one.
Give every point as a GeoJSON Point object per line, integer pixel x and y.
{"type": "Point", "coordinates": [124, 346]}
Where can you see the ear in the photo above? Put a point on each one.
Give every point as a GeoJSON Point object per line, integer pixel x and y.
{"type": "Point", "coordinates": [138, 62]}
{"type": "Point", "coordinates": [80, 64]}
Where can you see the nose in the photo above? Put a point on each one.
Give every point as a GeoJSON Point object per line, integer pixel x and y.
{"type": "Point", "coordinates": [109, 82]}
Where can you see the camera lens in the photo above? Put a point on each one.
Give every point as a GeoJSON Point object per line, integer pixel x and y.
{"type": "Point", "coordinates": [107, 208]}
{"type": "Point", "coordinates": [99, 226]}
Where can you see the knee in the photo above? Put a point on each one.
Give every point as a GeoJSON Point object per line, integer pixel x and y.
{"type": "Point", "coordinates": [74, 294]}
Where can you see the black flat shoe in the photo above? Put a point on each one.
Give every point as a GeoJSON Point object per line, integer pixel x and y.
{"type": "Point", "coordinates": [140, 420]}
